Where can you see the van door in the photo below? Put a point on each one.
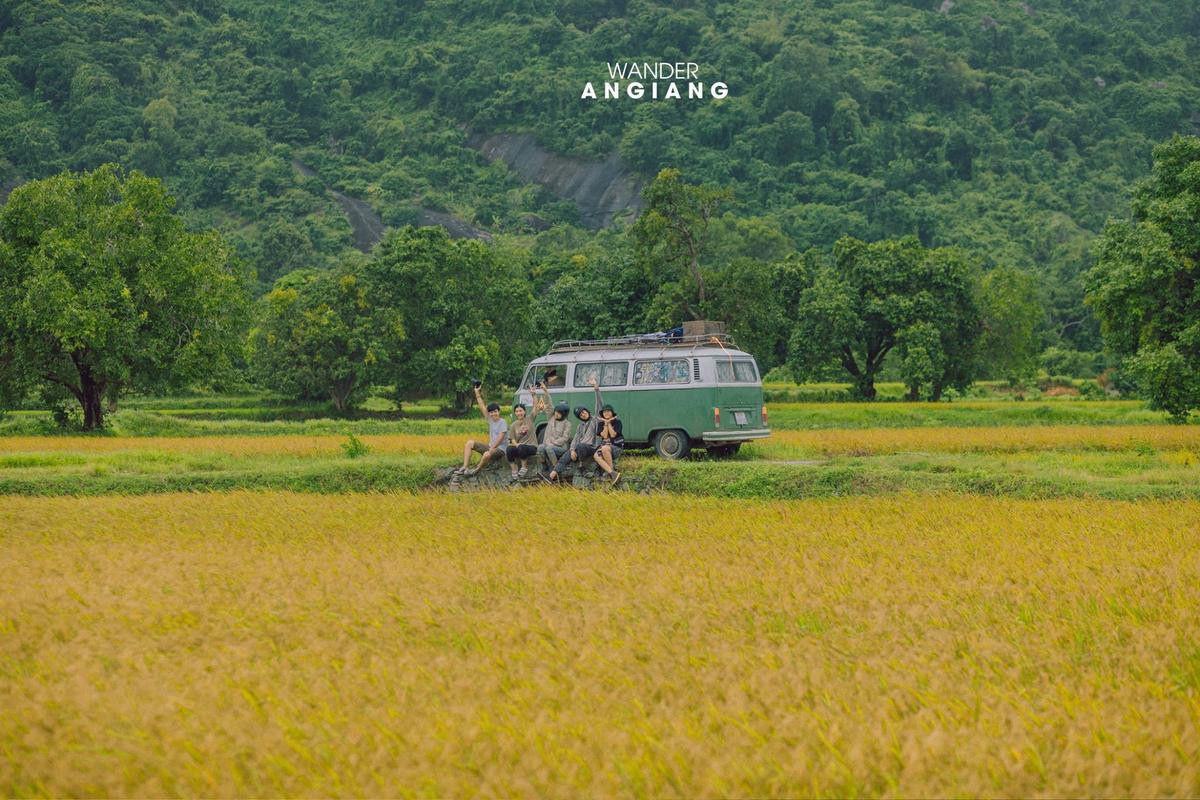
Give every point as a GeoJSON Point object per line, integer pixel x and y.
{"type": "Point", "coordinates": [739, 394]}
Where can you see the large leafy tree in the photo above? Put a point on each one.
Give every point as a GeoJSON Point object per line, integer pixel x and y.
{"type": "Point", "coordinates": [319, 335]}
{"type": "Point", "coordinates": [102, 289]}
{"type": "Point", "coordinates": [1013, 316]}
{"type": "Point", "coordinates": [672, 233]}
{"type": "Point", "coordinates": [467, 309]}
{"type": "Point", "coordinates": [1145, 287]}
{"type": "Point", "coordinates": [884, 296]}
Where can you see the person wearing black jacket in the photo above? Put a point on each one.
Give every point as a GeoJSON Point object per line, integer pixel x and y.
{"type": "Point", "coordinates": [609, 442]}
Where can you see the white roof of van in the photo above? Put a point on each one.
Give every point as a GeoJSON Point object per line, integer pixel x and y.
{"type": "Point", "coordinates": [575, 356]}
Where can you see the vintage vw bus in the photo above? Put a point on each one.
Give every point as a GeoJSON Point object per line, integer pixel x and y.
{"type": "Point", "coordinates": [672, 393]}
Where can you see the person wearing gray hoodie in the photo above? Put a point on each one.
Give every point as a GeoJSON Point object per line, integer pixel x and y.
{"type": "Point", "coordinates": [583, 443]}
{"type": "Point", "coordinates": [556, 438]}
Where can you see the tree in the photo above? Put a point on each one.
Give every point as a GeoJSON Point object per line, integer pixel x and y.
{"type": "Point", "coordinates": [754, 300]}
{"type": "Point", "coordinates": [887, 295]}
{"type": "Point", "coordinates": [319, 335]}
{"type": "Point", "coordinates": [1012, 317]}
{"type": "Point", "coordinates": [671, 234]}
{"type": "Point", "coordinates": [102, 290]}
{"type": "Point", "coordinates": [1144, 285]}
{"type": "Point", "coordinates": [466, 308]}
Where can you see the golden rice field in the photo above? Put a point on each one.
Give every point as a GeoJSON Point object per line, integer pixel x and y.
{"type": "Point", "coordinates": [1005, 439]}
{"type": "Point", "coordinates": [558, 644]}
{"type": "Point", "coordinates": [301, 446]}
{"type": "Point", "coordinates": [782, 443]}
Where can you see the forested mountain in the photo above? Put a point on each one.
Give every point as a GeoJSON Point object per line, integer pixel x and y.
{"type": "Point", "coordinates": [1012, 129]}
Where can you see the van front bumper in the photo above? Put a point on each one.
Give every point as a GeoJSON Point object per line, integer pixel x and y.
{"type": "Point", "coordinates": [743, 435]}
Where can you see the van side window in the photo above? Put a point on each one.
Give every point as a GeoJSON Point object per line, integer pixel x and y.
{"type": "Point", "coordinates": [736, 372]}
{"type": "Point", "coordinates": [673, 370]}
{"type": "Point", "coordinates": [615, 373]}
{"type": "Point", "coordinates": [553, 374]}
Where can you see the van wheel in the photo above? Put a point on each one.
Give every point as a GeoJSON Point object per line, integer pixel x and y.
{"type": "Point", "coordinates": [672, 444]}
{"type": "Point", "coordinates": [541, 433]}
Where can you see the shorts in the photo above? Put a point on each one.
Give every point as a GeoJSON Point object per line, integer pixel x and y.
{"type": "Point", "coordinates": [616, 450]}
{"type": "Point", "coordinates": [481, 447]}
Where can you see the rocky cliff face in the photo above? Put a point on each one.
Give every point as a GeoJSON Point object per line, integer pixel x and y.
{"type": "Point", "coordinates": [603, 190]}
{"type": "Point", "coordinates": [368, 227]}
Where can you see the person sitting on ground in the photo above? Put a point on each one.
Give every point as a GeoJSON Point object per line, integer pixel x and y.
{"type": "Point", "coordinates": [583, 443]}
{"type": "Point", "coordinates": [610, 442]}
{"type": "Point", "coordinates": [556, 439]}
{"type": "Point", "coordinates": [497, 430]}
{"type": "Point", "coordinates": [522, 441]}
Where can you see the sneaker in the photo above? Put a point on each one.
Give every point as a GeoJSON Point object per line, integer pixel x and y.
{"type": "Point", "coordinates": [522, 472]}
{"type": "Point", "coordinates": [471, 471]}
{"type": "Point", "coordinates": [616, 476]}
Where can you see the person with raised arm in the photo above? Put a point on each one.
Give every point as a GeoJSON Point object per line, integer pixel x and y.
{"type": "Point", "coordinates": [610, 442]}
{"type": "Point", "coordinates": [583, 443]}
{"type": "Point", "coordinates": [556, 440]}
{"type": "Point", "coordinates": [522, 440]}
{"type": "Point", "coordinates": [497, 431]}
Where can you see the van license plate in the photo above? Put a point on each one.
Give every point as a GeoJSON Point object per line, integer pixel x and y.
{"type": "Point", "coordinates": [739, 417]}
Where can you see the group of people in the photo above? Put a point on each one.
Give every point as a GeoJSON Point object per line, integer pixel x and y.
{"type": "Point", "coordinates": [597, 437]}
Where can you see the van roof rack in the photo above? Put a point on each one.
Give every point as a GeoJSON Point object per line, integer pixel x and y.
{"type": "Point", "coordinates": [643, 340]}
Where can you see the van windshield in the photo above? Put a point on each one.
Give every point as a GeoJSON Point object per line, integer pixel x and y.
{"type": "Point", "coordinates": [736, 371]}
{"type": "Point", "coordinates": [555, 375]}
{"type": "Point", "coordinates": [614, 373]}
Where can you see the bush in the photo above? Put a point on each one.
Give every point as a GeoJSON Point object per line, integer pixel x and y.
{"type": "Point", "coordinates": [354, 447]}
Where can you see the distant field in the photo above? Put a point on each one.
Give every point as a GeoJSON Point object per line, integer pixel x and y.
{"type": "Point", "coordinates": [1119, 462]}
{"type": "Point", "coordinates": [1006, 439]}
{"type": "Point", "coordinates": [171, 418]}
{"type": "Point", "coordinates": [251, 644]}
{"type": "Point", "coordinates": [801, 416]}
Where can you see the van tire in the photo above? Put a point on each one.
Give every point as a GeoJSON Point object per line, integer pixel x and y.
{"type": "Point", "coordinates": [541, 433]}
{"type": "Point", "coordinates": [672, 444]}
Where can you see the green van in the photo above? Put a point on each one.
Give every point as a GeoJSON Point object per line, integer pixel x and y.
{"type": "Point", "coordinates": [672, 394]}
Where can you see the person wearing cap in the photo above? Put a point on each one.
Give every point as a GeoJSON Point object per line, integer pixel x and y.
{"type": "Point", "coordinates": [609, 442]}
{"type": "Point", "coordinates": [522, 441]}
{"type": "Point", "coordinates": [556, 439]}
{"type": "Point", "coordinates": [583, 443]}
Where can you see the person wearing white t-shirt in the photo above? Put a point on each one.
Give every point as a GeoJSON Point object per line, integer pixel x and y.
{"type": "Point", "coordinates": [497, 433]}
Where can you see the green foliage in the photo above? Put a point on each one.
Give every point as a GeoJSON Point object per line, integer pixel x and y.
{"type": "Point", "coordinates": [322, 335]}
{"type": "Point", "coordinates": [671, 237]}
{"type": "Point", "coordinates": [354, 447]}
{"type": "Point", "coordinates": [873, 298]}
{"type": "Point", "coordinates": [1012, 315]}
{"type": "Point", "coordinates": [102, 291]}
{"type": "Point", "coordinates": [1143, 286]}
{"type": "Point", "coordinates": [466, 309]}
{"type": "Point", "coordinates": [1012, 135]}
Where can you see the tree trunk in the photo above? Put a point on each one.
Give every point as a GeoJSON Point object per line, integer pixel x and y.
{"type": "Point", "coordinates": [696, 274]}
{"type": "Point", "coordinates": [864, 385]}
{"type": "Point", "coordinates": [914, 393]}
{"type": "Point", "coordinates": [92, 392]}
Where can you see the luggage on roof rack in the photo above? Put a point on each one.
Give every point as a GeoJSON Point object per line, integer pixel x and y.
{"type": "Point", "coordinates": [662, 339]}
